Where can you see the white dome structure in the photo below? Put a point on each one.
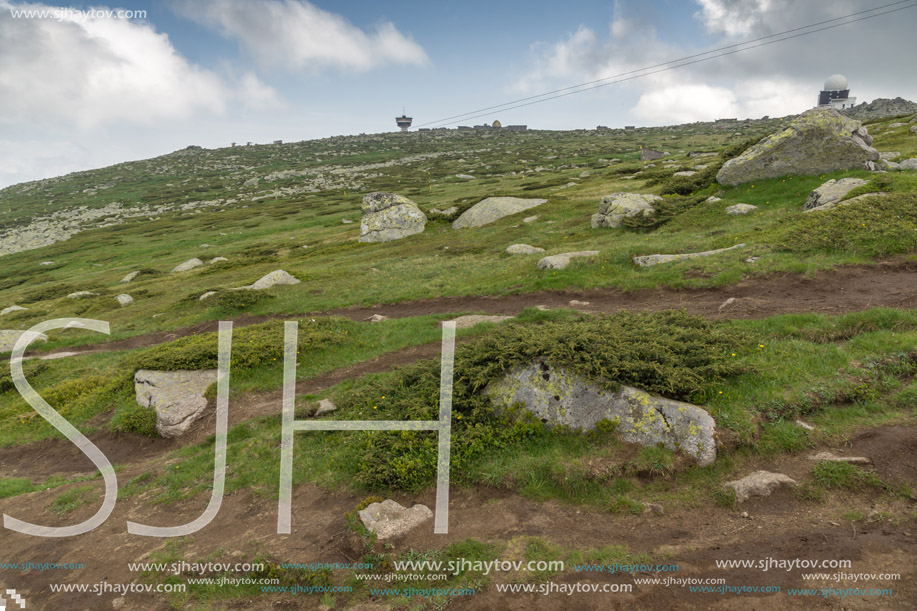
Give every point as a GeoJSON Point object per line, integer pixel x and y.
{"type": "Point", "coordinates": [836, 82]}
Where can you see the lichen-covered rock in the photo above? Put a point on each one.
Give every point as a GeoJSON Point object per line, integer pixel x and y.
{"type": "Point", "coordinates": [389, 216]}
{"type": "Point", "coordinates": [819, 140]}
{"type": "Point", "coordinates": [124, 299]}
{"type": "Point", "coordinates": [176, 396]}
{"type": "Point", "coordinates": [908, 164]}
{"type": "Point", "coordinates": [832, 192]}
{"type": "Point", "coordinates": [759, 483]}
{"type": "Point", "coordinates": [9, 337]}
{"type": "Point", "coordinates": [737, 209]}
{"type": "Point", "coordinates": [618, 206]}
{"type": "Point", "coordinates": [523, 249]}
{"type": "Point", "coordinates": [492, 209]}
{"type": "Point", "coordinates": [561, 398]}
{"type": "Point", "coordinates": [562, 260]}
{"type": "Point", "coordinates": [649, 260]}
{"type": "Point", "coordinates": [187, 265]}
{"type": "Point", "coordinates": [390, 519]}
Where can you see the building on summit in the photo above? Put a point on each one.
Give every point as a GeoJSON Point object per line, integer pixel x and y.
{"type": "Point", "coordinates": [836, 93]}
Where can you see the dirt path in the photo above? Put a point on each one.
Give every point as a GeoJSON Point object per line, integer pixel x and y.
{"type": "Point", "coordinates": [692, 534]}
{"type": "Point", "coordinates": [890, 284]}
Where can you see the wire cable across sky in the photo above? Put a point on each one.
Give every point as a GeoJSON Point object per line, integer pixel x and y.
{"type": "Point", "coordinates": [678, 63]}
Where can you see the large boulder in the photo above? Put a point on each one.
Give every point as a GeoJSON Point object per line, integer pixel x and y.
{"type": "Point", "coordinates": [389, 216]}
{"type": "Point", "coordinates": [176, 396]}
{"type": "Point", "coordinates": [390, 519]}
{"type": "Point", "coordinates": [8, 338]}
{"type": "Point", "coordinates": [491, 209]}
{"type": "Point", "coordinates": [833, 191]}
{"type": "Point", "coordinates": [819, 140]}
{"type": "Point", "coordinates": [618, 206]}
{"type": "Point", "coordinates": [559, 397]}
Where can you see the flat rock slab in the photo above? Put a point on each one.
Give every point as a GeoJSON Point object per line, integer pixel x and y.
{"type": "Point", "coordinates": [81, 295]}
{"type": "Point", "coordinates": [11, 309]}
{"type": "Point", "coordinates": [389, 216]}
{"type": "Point", "coordinates": [649, 260]}
{"type": "Point", "coordinates": [832, 457]}
{"type": "Point", "coordinates": [759, 483]}
{"type": "Point", "coordinates": [523, 249]}
{"type": "Point", "coordinates": [130, 277]}
{"type": "Point", "coordinates": [9, 337]}
{"type": "Point", "coordinates": [559, 397]}
{"type": "Point", "coordinates": [464, 322]}
{"type": "Point", "coordinates": [618, 206]}
{"type": "Point", "coordinates": [492, 209]}
{"type": "Point", "coordinates": [390, 519]}
{"type": "Point", "coordinates": [187, 265]}
{"type": "Point", "coordinates": [176, 396]}
{"type": "Point", "coordinates": [737, 209]}
{"type": "Point", "coordinates": [562, 260]}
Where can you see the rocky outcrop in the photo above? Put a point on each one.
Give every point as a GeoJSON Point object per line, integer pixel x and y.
{"type": "Point", "coordinates": [759, 483]}
{"type": "Point", "coordinates": [833, 191]}
{"type": "Point", "coordinates": [492, 209]}
{"type": "Point", "coordinates": [559, 397]}
{"type": "Point", "coordinates": [390, 519]}
{"type": "Point", "coordinates": [649, 260]}
{"type": "Point", "coordinates": [618, 206]}
{"type": "Point", "coordinates": [9, 337]}
{"type": "Point", "coordinates": [881, 108]}
{"type": "Point", "coordinates": [176, 396]}
{"type": "Point", "coordinates": [389, 216]}
{"type": "Point", "coordinates": [563, 260]}
{"type": "Point", "coordinates": [817, 141]}
{"type": "Point", "coordinates": [523, 249]}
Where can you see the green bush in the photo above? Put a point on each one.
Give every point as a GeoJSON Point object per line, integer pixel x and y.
{"type": "Point", "coordinates": [251, 346]}
{"type": "Point", "coordinates": [135, 419]}
{"type": "Point", "coordinates": [668, 353]}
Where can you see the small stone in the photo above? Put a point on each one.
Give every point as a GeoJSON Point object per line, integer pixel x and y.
{"type": "Point", "coordinates": [530, 219]}
{"type": "Point", "coordinates": [389, 519]}
{"type": "Point", "coordinates": [576, 303]}
{"type": "Point", "coordinates": [206, 246]}
{"type": "Point", "coordinates": [325, 406]}
{"type": "Point", "coordinates": [655, 508]}
{"type": "Point", "coordinates": [187, 265]}
{"type": "Point", "coordinates": [523, 249]}
{"type": "Point", "coordinates": [726, 304]}
{"type": "Point", "coordinates": [377, 318]}
{"type": "Point", "coordinates": [563, 260]}
{"type": "Point", "coordinates": [125, 299]}
{"type": "Point", "coordinates": [218, 260]}
{"type": "Point", "coordinates": [45, 263]}
{"type": "Point", "coordinates": [805, 425]}
{"type": "Point", "coordinates": [759, 483]}
{"type": "Point", "coordinates": [346, 221]}
{"type": "Point", "coordinates": [832, 457]}
{"type": "Point", "coordinates": [649, 260]}
{"type": "Point", "coordinates": [11, 309]}
{"type": "Point", "coordinates": [207, 295]}
{"type": "Point", "coordinates": [464, 322]}
{"type": "Point", "coordinates": [118, 603]}
{"type": "Point", "coordinates": [740, 209]}
{"type": "Point", "coordinates": [130, 277]}
{"type": "Point", "coordinates": [80, 295]}
{"type": "Point", "coordinates": [685, 173]}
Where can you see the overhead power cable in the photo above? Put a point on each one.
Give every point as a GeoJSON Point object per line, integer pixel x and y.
{"type": "Point", "coordinates": [678, 63]}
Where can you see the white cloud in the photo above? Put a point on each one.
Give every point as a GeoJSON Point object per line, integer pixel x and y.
{"type": "Point", "coordinates": [257, 95]}
{"type": "Point", "coordinates": [297, 35]}
{"type": "Point", "coordinates": [735, 17]}
{"type": "Point", "coordinates": [97, 71]}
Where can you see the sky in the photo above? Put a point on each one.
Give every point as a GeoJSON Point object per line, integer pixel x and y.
{"type": "Point", "coordinates": [134, 80]}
